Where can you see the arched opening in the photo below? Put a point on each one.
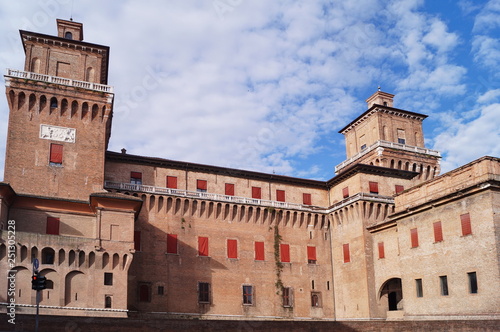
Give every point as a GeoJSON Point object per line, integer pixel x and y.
{"type": "Point", "coordinates": [43, 103]}
{"type": "Point", "coordinates": [48, 255]}
{"type": "Point", "coordinates": [68, 35]}
{"type": "Point", "coordinates": [21, 99]}
{"type": "Point", "coordinates": [75, 289]}
{"type": "Point", "coordinates": [31, 102]}
{"type": "Point", "coordinates": [53, 103]}
{"type": "Point", "coordinates": [391, 294]}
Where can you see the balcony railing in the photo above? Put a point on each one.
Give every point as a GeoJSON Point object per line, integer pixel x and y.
{"type": "Point", "coordinates": [386, 144]}
{"type": "Point", "coordinates": [244, 200]}
{"type": "Point", "coordinates": [58, 80]}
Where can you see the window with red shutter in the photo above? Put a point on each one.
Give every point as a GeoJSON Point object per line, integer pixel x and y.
{"type": "Point", "coordinates": [399, 189]}
{"type": "Point", "coordinates": [259, 251]}
{"type": "Point", "coordinates": [256, 192]}
{"type": "Point", "coordinates": [466, 226]}
{"type": "Point", "coordinates": [171, 243]}
{"type": "Point", "coordinates": [202, 246]}
{"type": "Point", "coordinates": [201, 185]}
{"type": "Point", "coordinates": [52, 226]}
{"type": "Point", "coordinates": [172, 182]}
{"type": "Point", "coordinates": [229, 189]}
{"type": "Point", "coordinates": [373, 187]}
{"type": "Point", "coordinates": [137, 240]}
{"type": "Point", "coordinates": [306, 198]}
{"type": "Point", "coordinates": [438, 232]}
{"type": "Point", "coordinates": [136, 177]}
{"type": "Point", "coordinates": [56, 154]}
{"type": "Point", "coordinates": [311, 255]}
{"type": "Point", "coordinates": [381, 251]}
{"type": "Point", "coordinates": [280, 195]}
{"type": "Point", "coordinates": [285, 253]}
{"type": "Point", "coordinates": [345, 192]}
{"type": "Point", "coordinates": [232, 248]}
{"type": "Point", "coordinates": [414, 237]}
{"type": "Point", "coordinates": [347, 254]}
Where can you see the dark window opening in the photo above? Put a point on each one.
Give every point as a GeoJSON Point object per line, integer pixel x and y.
{"type": "Point", "coordinates": [247, 295]}
{"type": "Point", "coordinates": [203, 292]}
{"type": "Point", "coordinates": [48, 255]}
{"type": "Point", "coordinates": [418, 284]}
{"type": "Point", "coordinates": [69, 35]}
{"type": "Point", "coordinates": [287, 296]}
{"type": "Point", "coordinates": [472, 282]}
{"type": "Point", "coordinates": [443, 280]}
{"type": "Point", "coordinates": [401, 141]}
{"type": "Point", "coordinates": [144, 293]}
{"type": "Point", "coordinates": [363, 146]}
{"type": "Point", "coordinates": [108, 279]}
{"type": "Point", "coordinates": [107, 301]}
{"type": "Point", "coordinates": [315, 299]}
{"type": "Point", "coordinates": [161, 290]}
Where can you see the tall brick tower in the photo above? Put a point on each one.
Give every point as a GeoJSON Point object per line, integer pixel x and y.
{"type": "Point", "coordinates": [60, 115]}
{"type": "Point", "coordinates": [389, 137]}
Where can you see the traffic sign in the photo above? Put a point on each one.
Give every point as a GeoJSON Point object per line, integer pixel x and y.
{"type": "Point", "coordinates": [36, 263]}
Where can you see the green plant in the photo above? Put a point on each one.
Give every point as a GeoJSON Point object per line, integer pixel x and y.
{"type": "Point", "coordinates": [279, 266]}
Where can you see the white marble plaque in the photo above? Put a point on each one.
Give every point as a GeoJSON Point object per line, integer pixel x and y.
{"type": "Point", "coordinates": [56, 133]}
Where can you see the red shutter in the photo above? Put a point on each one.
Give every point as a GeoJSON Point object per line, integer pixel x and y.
{"type": "Point", "coordinates": [136, 175]}
{"type": "Point", "coordinates": [311, 253]}
{"type": "Point", "coordinates": [137, 240]}
{"type": "Point", "coordinates": [345, 192]}
{"type": "Point", "coordinates": [201, 184]}
{"type": "Point", "coordinates": [280, 195]}
{"type": "Point", "coordinates": [171, 243]}
{"type": "Point", "coordinates": [256, 192]}
{"type": "Point", "coordinates": [438, 232]}
{"type": "Point", "coordinates": [347, 254]}
{"type": "Point", "coordinates": [414, 237]}
{"type": "Point", "coordinates": [381, 251]}
{"type": "Point", "coordinates": [172, 182]}
{"type": "Point", "coordinates": [259, 251]}
{"type": "Point", "coordinates": [229, 189]}
{"type": "Point", "coordinates": [202, 246]}
{"type": "Point", "coordinates": [52, 226]}
{"type": "Point", "coordinates": [306, 199]}
{"type": "Point", "coordinates": [285, 253]}
{"type": "Point", "coordinates": [399, 189]}
{"type": "Point", "coordinates": [56, 153]}
{"type": "Point", "coordinates": [232, 249]}
{"type": "Point", "coordinates": [466, 227]}
{"type": "Point", "coordinates": [373, 187]}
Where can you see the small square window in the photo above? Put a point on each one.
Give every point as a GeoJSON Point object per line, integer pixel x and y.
{"type": "Point", "coordinates": [108, 279]}
{"type": "Point", "coordinates": [203, 292]}
{"type": "Point", "coordinates": [363, 146]}
{"type": "Point", "coordinates": [401, 141]}
{"type": "Point", "coordinates": [315, 299]}
{"type": "Point", "coordinates": [248, 295]}
{"type": "Point", "coordinates": [201, 186]}
{"type": "Point", "coordinates": [135, 177]}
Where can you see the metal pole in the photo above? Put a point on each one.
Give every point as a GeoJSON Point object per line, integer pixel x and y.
{"type": "Point", "coordinates": [37, 308]}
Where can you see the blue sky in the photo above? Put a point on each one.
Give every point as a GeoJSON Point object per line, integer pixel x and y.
{"type": "Point", "coordinates": [266, 85]}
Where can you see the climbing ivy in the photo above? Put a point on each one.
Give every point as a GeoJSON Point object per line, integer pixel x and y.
{"type": "Point", "coordinates": [279, 265]}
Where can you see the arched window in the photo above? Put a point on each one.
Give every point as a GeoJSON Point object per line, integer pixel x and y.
{"type": "Point", "coordinates": [68, 35]}
{"type": "Point", "coordinates": [107, 301]}
{"type": "Point", "coordinates": [48, 255]}
{"type": "Point", "coordinates": [53, 102]}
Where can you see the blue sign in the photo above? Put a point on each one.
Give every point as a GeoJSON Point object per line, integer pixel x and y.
{"type": "Point", "coordinates": [35, 264]}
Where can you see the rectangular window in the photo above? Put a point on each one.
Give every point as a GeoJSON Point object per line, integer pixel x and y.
{"type": "Point", "coordinates": [202, 246]}
{"type": "Point", "coordinates": [373, 187]}
{"type": "Point", "coordinates": [466, 227]}
{"type": "Point", "coordinates": [401, 136]}
{"type": "Point", "coordinates": [347, 254]}
{"type": "Point", "coordinates": [56, 154]}
{"type": "Point", "coordinates": [287, 296]}
{"type": "Point", "coordinates": [201, 185]}
{"type": "Point", "coordinates": [472, 282]}
{"type": "Point", "coordinates": [285, 253]}
{"type": "Point", "coordinates": [259, 251]}
{"type": "Point", "coordinates": [345, 192]}
{"type": "Point", "coordinates": [280, 195]}
{"type": "Point", "coordinates": [232, 248]}
{"type": "Point", "coordinates": [418, 285]}
{"type": "Point", "coordinates": [135, 177]}
{"type": "Point", "coordinates": [363, 146]}
{"type": "Point", "coordinates": [52, 226]}
{"type": "Point", "coordinates": [438, 232]}
{"type": "Point", "coordinates": [443, 280]}
{"type": "Point", "coordinates": [171, 243]}
{"type": "Point", "coordinates": [311, 255]}
{"type": "Point", "coordinates": [137, 240]}
{"type": "Point", "coordinates": [203, 292]}
{"type": "Point", "coordinates": [306, 199]}
{"type": "Point", "coordinates": [161, 290]}
{"type": "Point", "coordinates": [381, 250]}
{"type": "Point", "coordinates": [401, 141]}
{"type": "Point", "coordinates": [229, 189]}
{"type": "Point", "coordinates": [256, 192]}
{"type": "Point", "coordinates": [414, 237]}
{"type": "Point", "coordinates": [315, 299]}
{"type": "Point", "coordinates": [247, 295]}
{"type": "Point", "coordinates": [172, 182]}
{"type": "Point", "coordinates": [399, 189]}
{"type": "Point", "coordinates": [144, 292]}
{"type": "Point", "coordinates": [108, 279]}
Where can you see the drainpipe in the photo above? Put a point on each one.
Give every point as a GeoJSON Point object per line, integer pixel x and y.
{"type": "Point", "coordinates": [332, 260]}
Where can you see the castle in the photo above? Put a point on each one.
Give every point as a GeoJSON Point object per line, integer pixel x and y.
{"type": "Point", "coordinates": [386, 238]}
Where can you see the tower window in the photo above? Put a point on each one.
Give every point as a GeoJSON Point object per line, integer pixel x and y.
{"type": "Point", "coordinates": [201, 185]}
{"type": "Point", "coordinates": [53, 102]}
{"type": "Point", "coordinates": [68, 35]}
{"type": "Point", "coordinates": [56, 154]}
{"type": "Point", "coordinates": [135, 177]}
